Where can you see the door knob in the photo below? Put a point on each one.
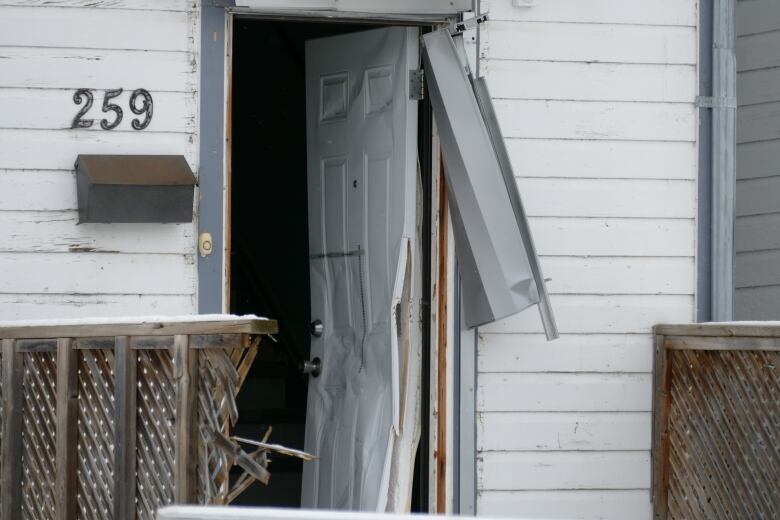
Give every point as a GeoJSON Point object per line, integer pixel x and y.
{"type": "Point", "coordinates": [313, 367]}
{"type": "Point", "coordinates": [317, 328]}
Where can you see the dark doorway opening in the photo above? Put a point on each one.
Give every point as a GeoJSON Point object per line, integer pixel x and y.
{"type": "Point", "coordinates": [269, 245]}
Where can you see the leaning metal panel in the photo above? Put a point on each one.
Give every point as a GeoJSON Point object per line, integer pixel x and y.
{"type": "Point", "coordinates": [38, 435]}
{"type": "Point", "coordinates": [156, 432]}
{"type": "Point", "coordinates": [95, 448]}
{"type": "Point", "coordinates": [724, 434]}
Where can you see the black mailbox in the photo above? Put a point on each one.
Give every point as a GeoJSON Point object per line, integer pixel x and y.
{"type": "Point", "coordinates": [134, 188]}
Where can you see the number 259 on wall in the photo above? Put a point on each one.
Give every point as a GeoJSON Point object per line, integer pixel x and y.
{"type": "Point", "coordinates": [140, 103]}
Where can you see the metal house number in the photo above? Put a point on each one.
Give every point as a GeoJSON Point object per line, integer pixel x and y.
{"type": "Point", "coordinates": [140, 103]}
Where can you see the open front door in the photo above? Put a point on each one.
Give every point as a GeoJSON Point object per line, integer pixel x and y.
{"type": "Point", "coordinates": [361, 145]}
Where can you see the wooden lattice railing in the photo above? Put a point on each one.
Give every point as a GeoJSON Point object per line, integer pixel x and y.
{"type": "Point", "coordinates": [113, 420]}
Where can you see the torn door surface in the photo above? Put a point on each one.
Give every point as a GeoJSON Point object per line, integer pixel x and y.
{"type": "Point", "coordinates": [498, 264]}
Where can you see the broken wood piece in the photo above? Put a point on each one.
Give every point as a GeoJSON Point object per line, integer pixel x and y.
{"type": "Point", "coordinates": [277, 448]}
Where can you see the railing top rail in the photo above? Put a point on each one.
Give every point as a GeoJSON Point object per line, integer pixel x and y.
{"type": "Point", "coordinates": [138, 326]}
{"type": "Point", "coordinates": [770, 329]}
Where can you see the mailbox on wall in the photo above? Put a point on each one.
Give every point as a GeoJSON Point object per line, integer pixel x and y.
{"type": "Point", "coordinates": [134, 188]}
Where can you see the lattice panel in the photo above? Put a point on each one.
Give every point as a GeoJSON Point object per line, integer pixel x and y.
{"type": "Point", "coordinates": [156, 432]}
{"type": "Point", "coordinates": [38, 435]}
{"type": "Point", "coordinates": [95, 448]}
{"type": "Point", "coordinates": [724, 435]}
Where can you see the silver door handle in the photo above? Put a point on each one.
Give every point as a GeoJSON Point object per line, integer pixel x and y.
{"type": "Point", "coordinates": [317, 328]}
{"type": "Point", "coordinates": [313, 367]}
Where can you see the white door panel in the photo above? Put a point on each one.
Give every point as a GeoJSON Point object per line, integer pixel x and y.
{"type": "Point", "coordinates": [361, 146]}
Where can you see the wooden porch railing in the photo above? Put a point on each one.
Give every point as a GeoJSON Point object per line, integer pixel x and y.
{"type": "Point", "coordinates": [113, 420]}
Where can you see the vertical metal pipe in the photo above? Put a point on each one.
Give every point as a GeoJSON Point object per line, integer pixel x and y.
{"type": "Point", "coordinates": [724, 167]}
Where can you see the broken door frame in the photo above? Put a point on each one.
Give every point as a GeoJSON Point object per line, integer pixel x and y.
{"type": "Point", "coordinates": [450, 455]}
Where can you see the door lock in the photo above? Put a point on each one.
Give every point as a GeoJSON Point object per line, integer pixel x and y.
{"type": "Point", "coordinates": [317, 328]}
{"type": "Point", "coordinates": [313, 367]}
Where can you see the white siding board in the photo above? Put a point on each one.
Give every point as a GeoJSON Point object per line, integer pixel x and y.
{"type": "Point", "coordinates": [758, 86]}
{"type": "Point", "coordinates": [593, 314]}
{"type": "Point", "coordinates": [54, 110]}
{"type": "Point", "coordinates": [757, 233]}
{"type": "Point", "coordinates": [141, 5]}
{"type": "Point", "coordinates": [563, 431]}
{"type": "Point", "coordinates": [596, 120]}
{"type": "Point", "coordinates": [71, 69]}
{"type": "Point", "coordinates": [91, 28]}
{"type": "Point", "coordinates": [88, 273]}
{"type": "Point", "coordinates": [557, 504]}
{"type": "Point", "coordinates": [758, 122]}
{"type": "Point", "coordinates": [568, 158]}
{"type": "Point", "coordinates": [522, 353]}
{"type": "Point", "coordinates": [758, 269]}
{"type": "Point", "coordinates": [585, 237]}
{"type": "Point", "coordinates": [608, 198]}
{"type": "Point", "coordinates": [758, 51]}
{"type": "Point", "coordinates": [757, 16]}
{"type": "Point", "coordinates": [34, 231]}
{"type": "Point", "coordinates": [624, 275]}
{"type": "Point", "coordinates": [758, 196]}
{"type": "Point", "coordinates": [595, 81]}
{"type": "Point", "coordinates": [637, 12]}
{"type": "Point", "coordinates": [586, 42]}
{"type": "Point", "coordinates": [564, 470]}
{"type": "Point", "coordinates": [759, 159]}
{"type": "Point", "coordinates": [583, 392]}
{"type": "Point", "coordinates": [55, 306]}
{"type": "Point", "coordinates": [757, 303]}
{"type": "Point", "coordinates": [21, 149]}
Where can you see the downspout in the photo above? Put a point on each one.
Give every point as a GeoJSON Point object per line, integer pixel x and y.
{"type": "Point", "coordinates": [724, 165]}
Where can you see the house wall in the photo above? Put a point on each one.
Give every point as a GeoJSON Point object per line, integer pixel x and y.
{"type": "Point", "coordinates": [49, 265]}
{"type": "Point", "coordinates": [596, 101]}
{"type": "Point", "coordinates": [757, 229]}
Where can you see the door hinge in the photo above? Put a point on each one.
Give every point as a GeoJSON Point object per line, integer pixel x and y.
{"type": "Point", "coordinates": [416, 84]}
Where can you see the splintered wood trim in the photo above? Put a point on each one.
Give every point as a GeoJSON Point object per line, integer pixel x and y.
{"type": "Point", "coordinates": [67, 431]}
{"type": "Point", "coordinates": [441, 356]}
{"type": "Point", "coordinates": [11, 475]}
{"type": "Point", "coordinates": [125, 392]}
{"type": "Point", "coordinates": [161, 328]}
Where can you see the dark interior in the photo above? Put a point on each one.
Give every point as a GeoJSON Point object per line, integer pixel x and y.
{"type": "Point", "coordinates": [269, 257]}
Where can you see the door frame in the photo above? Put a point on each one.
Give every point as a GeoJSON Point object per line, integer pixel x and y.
{"type": "Point", "coordinates": [450, 454]}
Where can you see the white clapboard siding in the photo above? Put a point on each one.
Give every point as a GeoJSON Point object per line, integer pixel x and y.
{"type": "Point", "coordinates": [758, 51]}
{"type": "Point", "coordinates": [71, 69]}
{"type": "Point", "coordinates": [758, 122]}
{"type": "Point", "coordinates": [757, 16]}
{"type": "Point", "coordinates": [596, 120]}
{"type": "Point", "coordinates": [53, 266]}
{"type": "Point", "coordinates": [635, 12]}
{"type": "Point", "coordinates": [758, 86]}
{"type": "Point", "coordinates": [656, 198]}
{"type": "Point", "coordinates": [595, 81]}
{"type": "Point", "coordinates": [59, 232]}
{"type": "Point", "coordinates": [757, 233]}
{"type": "Point", "coordinates": [759, 159]}
{"type": "Point", "coordinates": [603, 159]}
{"type": "Point", "coordinates": [621, 275]}
{"type": "Point", "coordinates": [556, 431]}
{"type": "Point", "coordinates": [565, 470]}
{"type": "Point", "coordinates": [87, 273]}
{"type": "Point", "coordinates": [52, 306]}
{"type": "Point", "coordinates": [757, 303]}
{"type": "Point", "coordinates": [91, 28]}
{"type": "Point", "coordinates": [586, 42]}
{"type": "Point", "coordinates": [21, 149]}
{"type": "Point", "coordinates": [570, 353]}
{"type": "Point", "coordinates": [569, 236]}
{"type": "Point", "coordinates": [598, 314]}
{"type": "Point", "coordinates": [141, 5]}
{"type": "Point", "coordinates": [757, 196]}
{"type": "Point", "coordinates": [41, 109]}
{"type": "Point", "coordinates": [601, 504]}
{"type": "Point", "coordinates": [582, 392]}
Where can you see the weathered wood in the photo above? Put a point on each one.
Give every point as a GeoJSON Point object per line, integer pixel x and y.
{"type": "Point", "coordinates": [67, 432]}
{"type": "Point", "coordinates": [142, 327]}
{"type": "Point", "coordinates": [725, 329]}
{"type": "Point", "coordinates": [721, 343]}
{"type": "Point", "coordinates": [125, 391]}
{"type": "Point", "coordinates": [106, 343]}
{"type": "Point", "coordinates": [36, 345]}
{"type": "Point", "coordinates": [216, 341]}
{"type": "Point", "coordinates": [185, 363]}
{"type": "Point", "coordinates": [660, 451]}
{"type": "Point", "coordinates": [151, 342]}
{"type": "Point", "coordinates": [11, 474]}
